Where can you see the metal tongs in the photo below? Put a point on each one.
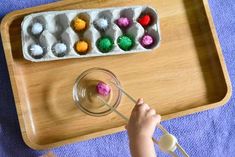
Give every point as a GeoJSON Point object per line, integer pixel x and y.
{"type": "Point", "coordinates": [162, 142]}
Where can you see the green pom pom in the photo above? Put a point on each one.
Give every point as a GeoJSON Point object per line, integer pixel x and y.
{"type": "Point", "coordinates": [125, 42]}
{"type": "Point", "coordinates": [105, 44]}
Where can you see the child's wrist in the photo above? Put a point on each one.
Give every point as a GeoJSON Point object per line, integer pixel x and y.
{"type": "Point", "coordinates": [141, 143]}
{"type": "Point", "coordinates": [139, 139]}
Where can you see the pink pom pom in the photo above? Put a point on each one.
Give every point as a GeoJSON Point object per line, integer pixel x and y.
{"type": "Point", "coordinates": [147, 40]}
{"type": "Point", "coordinates": [123, 22]}
{"type": "Point", "coordinates": [103, 89]}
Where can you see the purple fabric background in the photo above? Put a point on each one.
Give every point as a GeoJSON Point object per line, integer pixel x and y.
{"type": "Point", "coordinates": [206, 134]}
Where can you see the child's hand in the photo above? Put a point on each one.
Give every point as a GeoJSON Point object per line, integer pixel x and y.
{"type": "Point", "coordinates": [142, 122]}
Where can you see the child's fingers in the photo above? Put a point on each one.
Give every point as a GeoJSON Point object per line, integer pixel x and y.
{"type": "Point", "coordinates": [143, 108]}
{"type": "Point", "coordinates": [140, 109]}
{"type": "Point", "coordinates": [157, 118]}
{"type": "Point", "coordinates": [151, 112]}
{"type": "Point", "coordinates": [140, 101]}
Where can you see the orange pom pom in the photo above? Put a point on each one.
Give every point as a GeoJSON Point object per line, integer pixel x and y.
{"type": "Point", "coordinates": [81, 47]}
{"type": "Point", "coordinates": [79, 24]}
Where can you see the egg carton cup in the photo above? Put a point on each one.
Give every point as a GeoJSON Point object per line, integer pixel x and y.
{"type": "Point", "coordinates": [57, 28]}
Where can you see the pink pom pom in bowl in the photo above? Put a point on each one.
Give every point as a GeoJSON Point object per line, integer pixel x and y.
{"type": "Point", "coordinates": [96, 82]}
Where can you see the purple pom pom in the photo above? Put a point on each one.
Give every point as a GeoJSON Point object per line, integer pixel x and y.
{"type": "Point", "coordinates": [103, 89]}
{"type": "Point", "coordinates": [123, 22]}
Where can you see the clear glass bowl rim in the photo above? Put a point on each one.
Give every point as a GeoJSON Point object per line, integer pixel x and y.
{"type": "Point", "coordinates": [81, 76]}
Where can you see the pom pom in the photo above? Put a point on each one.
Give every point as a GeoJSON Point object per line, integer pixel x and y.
{"type": "Point", "coordinates": [123, 22]}
{"type": "Point", "coordinates": [79, 24]}
{"type": "Point", "coordinates": [81, 47]}
{"type": "Point", "coordinates": [167, 142]}
{"type": "Point", "coordinates": [101, 24]}
{"type": "Point", "coordinates": [146, 40]}
{"type": "Point", "coordinates": [125, 42]}
{"type": "Point", "coordinates": [37, 28]}
{"type": "Point", "coordinates": [105, 44]}
{"type": "Point", "coordinates": [103, 89]}
{"type": "Point", "coordinates": [145, 20]}
{"type": "Point", "coordinates": [59, 49]}
{"type": "Point", "coordinates": [36, 50]}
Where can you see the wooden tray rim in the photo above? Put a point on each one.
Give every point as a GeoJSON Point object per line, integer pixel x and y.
{"type": "Point", "coordinates": [6, 21]}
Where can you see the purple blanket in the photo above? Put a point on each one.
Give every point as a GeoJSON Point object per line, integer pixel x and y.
{"type": "Point", "coordinates": [206, 134]}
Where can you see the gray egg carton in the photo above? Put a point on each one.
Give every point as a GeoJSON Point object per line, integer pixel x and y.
{"type": "Point", "coordinates": [57, 28]}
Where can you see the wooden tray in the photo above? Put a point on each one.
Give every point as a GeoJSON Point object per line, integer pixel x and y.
{"type": "Point", "coordinates": [186, 74]}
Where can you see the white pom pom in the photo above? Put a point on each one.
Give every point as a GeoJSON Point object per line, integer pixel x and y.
{"type": "Point", "coordinates": [102, 23]}
{"type": "Point", "coordinates": [167, 142]}
{"type": "Point", "coordinates": [60, 48]}
{"type": "Point", "coordinates": [37, 28]}
{"type": "Point", "coordinates": [36, 50]}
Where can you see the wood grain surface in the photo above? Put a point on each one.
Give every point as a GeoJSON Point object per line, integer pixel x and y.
{"type": "Point", "coordinates": [186, 74]}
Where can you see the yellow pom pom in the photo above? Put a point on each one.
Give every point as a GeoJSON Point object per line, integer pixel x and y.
{"type": "Point", "coordinates": [79, 24]}
{"type": "Point", "coordinates": [81, 47]}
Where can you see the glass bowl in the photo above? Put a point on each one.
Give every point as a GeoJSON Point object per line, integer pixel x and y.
{"type": "Point", "coordinates": [85, 94]}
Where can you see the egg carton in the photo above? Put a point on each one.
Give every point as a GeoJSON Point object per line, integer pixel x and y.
{"type": "Point", "coordinates": [57, 28]}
